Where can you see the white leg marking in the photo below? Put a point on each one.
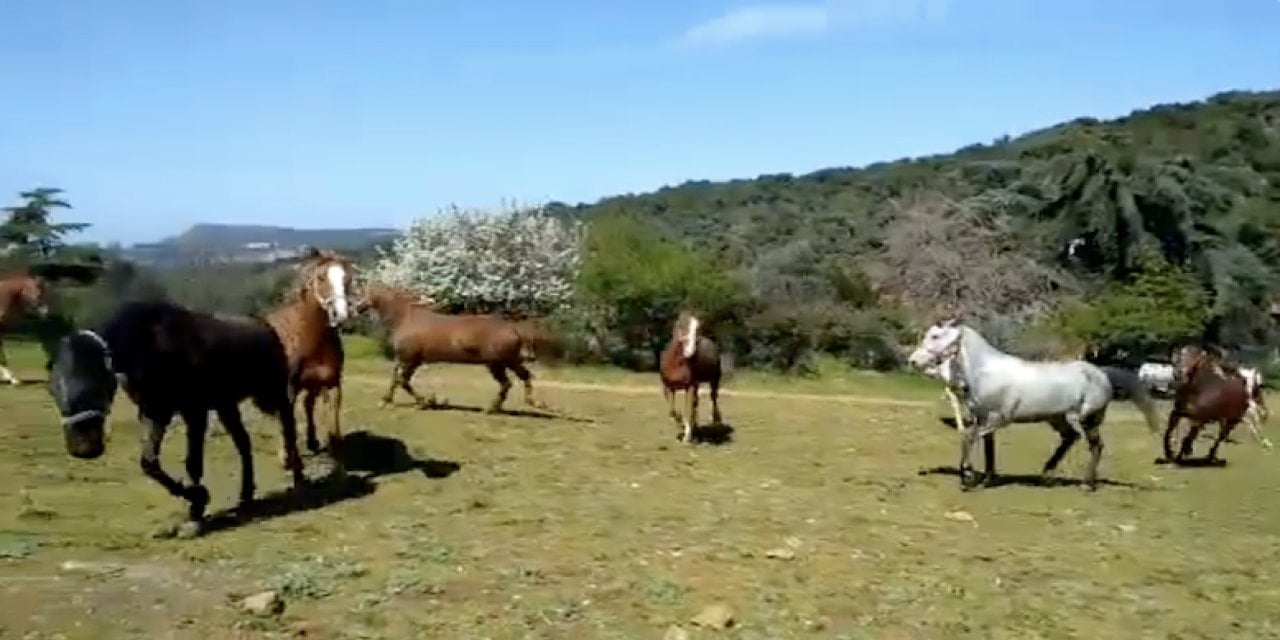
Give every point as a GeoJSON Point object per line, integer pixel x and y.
{"type": "Point", "coordinates": [8, 376]}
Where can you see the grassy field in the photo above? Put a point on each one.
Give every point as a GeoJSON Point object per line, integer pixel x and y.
{"type": "Point", "coordinates": [818, 519]}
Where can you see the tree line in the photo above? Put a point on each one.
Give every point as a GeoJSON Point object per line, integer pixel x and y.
{"type": "Point", "coordinates": [1115, 239]}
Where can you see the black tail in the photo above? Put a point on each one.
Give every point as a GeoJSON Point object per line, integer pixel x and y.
{"type": "Point", "coordinates": [1126, 385]}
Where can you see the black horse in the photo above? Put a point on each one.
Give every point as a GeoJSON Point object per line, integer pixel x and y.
{"type": "Point", "coordinates": [174, 361]}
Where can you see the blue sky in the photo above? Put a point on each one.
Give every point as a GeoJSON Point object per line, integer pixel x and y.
{"type": "Point", "coordinates": [156, 114]}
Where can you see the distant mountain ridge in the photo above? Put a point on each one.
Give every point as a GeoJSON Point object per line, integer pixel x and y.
{"type": "Point", "coordinates": [223, 243]}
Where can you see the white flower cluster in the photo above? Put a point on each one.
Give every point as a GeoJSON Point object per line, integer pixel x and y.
{"type": "Point", "coordinates": [512, 258]}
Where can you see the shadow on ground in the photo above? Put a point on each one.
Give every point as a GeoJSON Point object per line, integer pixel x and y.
{"type": "Point", "coordinates": [445, 405]}
{"type": "Point", "coordinates": [713, 434]}
{"type": "Point", "coordinates": [1037, 480]}
{"type": "Point", "coordinates": [378, 455]}
{"type": "Point", "coordinates": [317, 493]}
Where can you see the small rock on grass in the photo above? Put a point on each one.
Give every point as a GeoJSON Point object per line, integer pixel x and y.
{"type": "Point", "coordinates": [716, 616]}
{"type": "Point", "coordinates": [267, 603]}
{"type": "Point", "coordinates": [781, 553]}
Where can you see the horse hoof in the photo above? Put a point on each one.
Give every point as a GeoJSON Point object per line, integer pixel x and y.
{"type": "Point", "coordinates": [189, 530]}
{"type": "Point", "coordinates": [313, 446]}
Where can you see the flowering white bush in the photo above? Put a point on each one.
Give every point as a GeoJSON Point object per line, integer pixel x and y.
{"type": "Point", "coordinates": [515, 258]}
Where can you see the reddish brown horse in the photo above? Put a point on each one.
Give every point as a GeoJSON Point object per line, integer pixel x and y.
{"type": "Point", "coordinates": [307, 324]}
{"type": "Point", "coordinates": [1206, 392]}
{"type": "Point", "coordinates": [19, 292]}
{"type": "Point", "coordinates": [420, 335]}
{"type": "Point", "coordinates": [688, 361]}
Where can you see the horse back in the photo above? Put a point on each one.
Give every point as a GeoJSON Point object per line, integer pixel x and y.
{"type": "Point", "coordinates": [457, 338]}
{"type": "Point", "coordinates": [177, 358]}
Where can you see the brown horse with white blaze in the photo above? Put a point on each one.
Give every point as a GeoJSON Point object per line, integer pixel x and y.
{"type": "Point", "coordinates": [421, 335]}
{"type": "Point", "coordinates": [19, 292]}
{"type": "Point", "coordinates": [307, 325]}
{"type": "Point", "coordinates": [688, 361]}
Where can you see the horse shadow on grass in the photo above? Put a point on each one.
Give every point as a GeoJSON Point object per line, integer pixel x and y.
{"type": "Point", "coordinates": [1036, 480]}
{"type": "Point", "coordinates": [713, 434]}
{"type": "Point", "coordinates": [378, 456]}
{"type": "Point", "coordinates": [365, 457]}
{"type": "Point", "coordinates": [445, 405]}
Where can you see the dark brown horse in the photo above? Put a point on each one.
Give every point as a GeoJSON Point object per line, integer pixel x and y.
{"type": "Point", "coordinates": [307, 324]}
{"type": "Point", "coordinates": [1206, 392]}
{"type": "Point", "coordinates": [421, 335]}
{"type": "Point", "coordinates": [19, 292]}
{"type": "Point", "coordinates": [689, 360]}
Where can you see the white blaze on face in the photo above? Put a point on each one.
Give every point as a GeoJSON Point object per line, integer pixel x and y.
{"type": "Point", "coordinates": [691, 338]}
{"type": "Point", "coordinates": [338, 311]}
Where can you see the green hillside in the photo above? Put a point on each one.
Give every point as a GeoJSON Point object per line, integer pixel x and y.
{"type": "Point", "coordinates": [1187, 191]}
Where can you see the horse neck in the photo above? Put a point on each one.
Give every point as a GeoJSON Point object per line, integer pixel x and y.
{"type": "Point", "coordinates": [975, 353]}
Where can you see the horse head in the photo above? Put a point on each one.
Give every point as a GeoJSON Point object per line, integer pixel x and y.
{"type": "Point", "coordinates": [940, 342]}
{"type": "Point", "coordinates": [83, 384]}
{"type": "Point", "coordinates": [327, 276]}
{"type": "Point", "coordinates": [685, 333]}
{"type": "Point", "coordinates": [1188, 360]}
{"type": "Point", "coordinates": [30, 292]}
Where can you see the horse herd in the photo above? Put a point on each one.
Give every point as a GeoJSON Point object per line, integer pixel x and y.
{"type": "Point", "coordinates": [175, 362]}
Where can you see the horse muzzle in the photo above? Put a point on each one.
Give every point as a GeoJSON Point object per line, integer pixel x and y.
{"type": "Point", "coordinates": [86, 440]}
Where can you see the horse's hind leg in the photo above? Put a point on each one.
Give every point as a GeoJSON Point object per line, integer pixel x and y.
{"type": "Point", "coordinates": [1068, 434]}
{"type": "Point", "coordinates": [499, 373]}
{"type": "Point", "coordinates": [1223, 433]}
{"type": "Point", "coordinates": [1093, 435]}
{"type": "Point", "coordinates": [230, 418]}
{"type": "Point", "coordinates": [527, 378]}
{"type": "Point", "coordinates": [715, 402]}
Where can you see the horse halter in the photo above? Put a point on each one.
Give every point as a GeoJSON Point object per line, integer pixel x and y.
{"type": "Point", "coordinates": [88, 414]}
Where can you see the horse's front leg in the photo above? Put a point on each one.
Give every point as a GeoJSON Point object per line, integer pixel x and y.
{"type": "Point", "coordinates": [5, 374]}
{"type": "Point", "coordinates": [153, 432]}
{"type": "Point", "coordinates": [1224, 432]}
{"type": "Point", "coordinates": [197, 494]}
{"type": "Point", "coordinates": [309, 397]}
{"type": "Point", "coordinates": [1170, 429]}
{"type": "Point", "coordinates": [1189, 441]}
{"type": "Point", "coordinates": [234, 426]}
{"type": "Point", "coordinates": [968, 442]}
{"type": "Point", "coordinates": [691, 411]}
{"type": "Point", "coordinates": [989, 452]}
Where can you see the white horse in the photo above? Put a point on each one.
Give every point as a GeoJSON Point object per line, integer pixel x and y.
{"type": "Point", "coordinates": [1002, 389]}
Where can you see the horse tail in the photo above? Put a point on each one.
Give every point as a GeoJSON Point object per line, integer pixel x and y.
{"type": "Point", "coordinates": [1126, 385]}
{"type": "Point", "coordinates": [537, 343]}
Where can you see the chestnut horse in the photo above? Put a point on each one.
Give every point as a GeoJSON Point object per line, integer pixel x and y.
{"type": "Point", "coordinates": [688, 361]}
{"type": "Point", "coordinates": [421, 335]}
{"type": "Point", "coordinates": [1206, 392]}
{"type": "Point", "coordinates": [19, 292]}
{"type": "Point", "coordinates": [307, 326]}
